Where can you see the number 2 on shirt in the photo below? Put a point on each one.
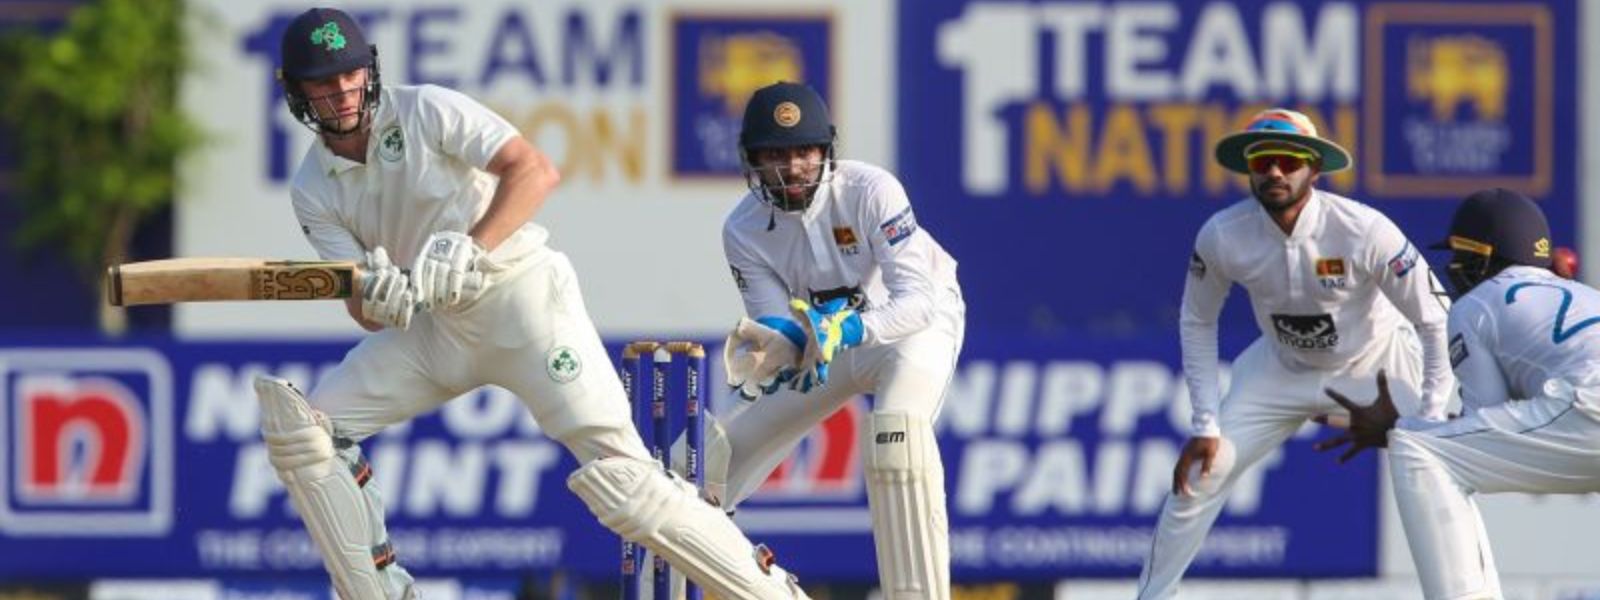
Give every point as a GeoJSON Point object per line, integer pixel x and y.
{"type": "Point", "coordinates": [1559, 333]}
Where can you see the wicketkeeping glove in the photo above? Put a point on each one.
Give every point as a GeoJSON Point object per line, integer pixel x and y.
{"type": "Point", "coordinates": [443, 267]}
{"type": "Point", "coordinates": [761, 354]}
{"type": "Point", "coordinates": [386, 295]}
{"type": "Point", "coordinates": [829, 328]}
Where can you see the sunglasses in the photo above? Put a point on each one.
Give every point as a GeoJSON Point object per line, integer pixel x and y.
{"type": "Point", "coordinates": [1288, 161]}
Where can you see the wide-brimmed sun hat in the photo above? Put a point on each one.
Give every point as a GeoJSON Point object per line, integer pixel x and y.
{"type": "Point", "coordinates": [1284, 126]}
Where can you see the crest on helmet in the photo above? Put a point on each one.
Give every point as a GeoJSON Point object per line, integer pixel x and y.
{"type": "Point", "coordinates": [787, 114]}
{"type": "Point", "coordinates": [328, 37]}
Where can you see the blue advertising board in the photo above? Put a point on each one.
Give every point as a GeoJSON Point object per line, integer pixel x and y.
{"type": "Point", "coordinates": [1066, 160]}
{"type": "Point", "coordinates": [1058, 457]}
{"type": "Point", "coordinates": [718, 61]}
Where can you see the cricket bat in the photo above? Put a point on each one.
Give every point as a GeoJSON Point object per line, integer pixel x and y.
{"type": "Point", "coordinates": [206, 279]}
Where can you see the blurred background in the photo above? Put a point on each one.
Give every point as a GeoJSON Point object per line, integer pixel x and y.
{"type": "Point", "coordinates": [1061, 150]}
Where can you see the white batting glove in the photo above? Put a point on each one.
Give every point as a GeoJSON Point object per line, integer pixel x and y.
{"type": "Point", "coordinates": [760, 353]}
{"type": "Point", "coordinates": [386, 295]}
{"type": "Point", "coordinates": [442, 270]}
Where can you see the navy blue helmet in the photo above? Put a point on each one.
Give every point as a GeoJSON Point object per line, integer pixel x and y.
{"type": "Point", "coordinates": [1494, 229]}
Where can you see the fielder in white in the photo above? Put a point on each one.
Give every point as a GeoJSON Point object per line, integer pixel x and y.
{"type": "Point", "coordinates": [1528, 358]}
{"type": "Point", "coordinates": [425, 172]}
{"type": "Point", "coordinates": [849, 297]}
{"type": "Point", "coordinates": [1338, 292]}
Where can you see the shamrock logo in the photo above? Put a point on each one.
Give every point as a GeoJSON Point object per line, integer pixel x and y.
{"type": "Point", "coordinates": [563, 364]}
{"type": "Point", "coordinates": [391, 144]}
{"type": "Point", "coordinates": [328, 36]}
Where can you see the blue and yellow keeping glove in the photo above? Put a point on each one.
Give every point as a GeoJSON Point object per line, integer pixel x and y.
{"type": "Point", "coordinates": [830, 327]}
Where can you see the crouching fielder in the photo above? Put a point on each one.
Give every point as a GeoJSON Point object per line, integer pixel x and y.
{"type": "Point", "coordinates": [426, 172]}
{"type": "Point", "coordinates": [831, 263]}
{"type": "Point", "coordinates": [1529, 366]}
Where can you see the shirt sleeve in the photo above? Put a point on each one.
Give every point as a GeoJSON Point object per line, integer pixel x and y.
{"type": "Point", "coordinates": [1405, 279]}
{"type": "Point", "coordinates": [763, 292]}
{"type": "Point", "coordinates": [905, 254]}
{"type": "Point", "coordinates": [327, 235]}
{"type": "Point", "coordinates": [462, 127]}
{"type": "Point", "coordinates": [1204, 292]}
{"type": "Point", "coordinates": [1472, 334]}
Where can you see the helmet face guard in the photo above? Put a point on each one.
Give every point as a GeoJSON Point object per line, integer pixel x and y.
{"type": "Point", "coordinates": [772, 187]}
{"type": "Point", "coordinates": [1468, 269]}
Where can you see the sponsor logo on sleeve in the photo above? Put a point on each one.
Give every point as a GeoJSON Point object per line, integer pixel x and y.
{"type": "Point", "coordinates": [899, 227]}
{"type": "Point", "coordinates": [1306, 332]}
{"type": "Point", "coordinates": [1458, 350]}
{"type": "Point", "coordinates": [738, 279]}
{"type": "Point", "coordinates": [1404, 261]}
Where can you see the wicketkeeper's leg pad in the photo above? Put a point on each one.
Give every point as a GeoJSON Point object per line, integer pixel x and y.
{"type": "Point", "coordinates": [905, 488]}
{"type": "Point", "coordinates": [640, 502]}
{"type": "Point", "coordinates": [327, 481]}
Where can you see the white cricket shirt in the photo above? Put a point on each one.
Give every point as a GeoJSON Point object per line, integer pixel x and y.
{"type": "Point", "coordinates": [1339, 285]}
{"type": "Point", "coordinates": [858, 239]}
{"type": "Point", "coordinates": [1520, 328]}
{"type": "Point", "coordinates": [424, 173]}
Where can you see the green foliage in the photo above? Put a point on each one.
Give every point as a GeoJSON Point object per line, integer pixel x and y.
{"type": "Point", "coordinates": [93, 112]}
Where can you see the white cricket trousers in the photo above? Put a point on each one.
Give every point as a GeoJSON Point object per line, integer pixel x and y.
{"type": "Point", "coordinates": [1265, 404]}
{"type": "Point", "coordinates": [511, 336]}
{"type": "Point", "coordinates": [1545, 445]}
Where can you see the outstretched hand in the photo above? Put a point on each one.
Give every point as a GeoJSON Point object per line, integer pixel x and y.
{"type": "Point", "coordinates": [1368, 426]}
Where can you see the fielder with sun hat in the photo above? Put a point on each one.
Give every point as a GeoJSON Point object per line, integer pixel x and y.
{"type": "Point", "coordinates": [1340, 295]}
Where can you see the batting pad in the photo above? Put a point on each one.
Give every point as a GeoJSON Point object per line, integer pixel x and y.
{"type": "Point", "coordinates": [905, 488]}
{"type": "Point", "coordinates": [343, 520]}
{"type": "Point", "coordinates": [638, 501]}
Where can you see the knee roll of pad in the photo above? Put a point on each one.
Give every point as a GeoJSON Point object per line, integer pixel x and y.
{"type": "Point", "coordinates": [630, 496]}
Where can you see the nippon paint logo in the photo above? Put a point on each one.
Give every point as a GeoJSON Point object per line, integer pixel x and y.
{"type": "Point", "coordinates": [88, 442]}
